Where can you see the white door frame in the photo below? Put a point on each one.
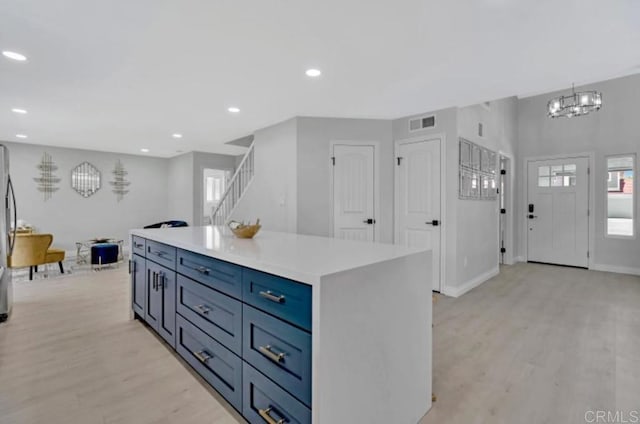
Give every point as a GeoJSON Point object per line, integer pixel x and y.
{"type": "Point", "coordinates": [510, 215]}
{"type": "Point", "coordinates": [590, 193]}
{"type": "Point", "coordinates": [437, 285]}
{"type": "Point", "coordinates": [376, 182]}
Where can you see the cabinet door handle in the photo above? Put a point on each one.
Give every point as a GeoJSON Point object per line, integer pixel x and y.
{"type": "Point", "coordinates": [275, 357]}
{"type": "Point", "coordinates": [203, 309]}
{"type": "Point", "coordinates": [155, 280]}
{"type": "Point", "coordinates": [129, 266]}
{"type": "Point", "coordinates": [160, 253]}
{"type": "Point", "coordinates": [137, 246]}
{"type": "Point", "coordinates": [272, 297]}
{"type": "Point", "coordinates": [161, 277]}
{"type": "Point", "coordinates": [266, 415]}
{"type": "Point", "coordinates": [202, 355]}
{"type": "Point", "coordinates": [203, 270]}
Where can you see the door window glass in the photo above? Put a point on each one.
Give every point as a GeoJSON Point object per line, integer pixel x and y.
{"type": "Point", "coordinates": [620, 196]}
{"type": "Point", "coordinates": [557, 175]}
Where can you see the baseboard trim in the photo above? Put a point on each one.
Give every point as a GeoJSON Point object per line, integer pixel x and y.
{"type": "Point", "coordinates": [615, 268]}
{"type": "Point", "coordinates": [471, 284]}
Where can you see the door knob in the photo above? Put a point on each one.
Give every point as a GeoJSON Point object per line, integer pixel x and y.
{"type": "Point", "coordinates": [435, 223]}
{"type": "Point", "coordinates": [369, 221]}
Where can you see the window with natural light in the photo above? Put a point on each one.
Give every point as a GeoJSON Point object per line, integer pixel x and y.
{"type": "Point", "coordinates": [620, 195]}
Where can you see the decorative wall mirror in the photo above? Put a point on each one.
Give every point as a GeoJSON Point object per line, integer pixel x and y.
{"type": "Point", "coordinates": [86, 179]}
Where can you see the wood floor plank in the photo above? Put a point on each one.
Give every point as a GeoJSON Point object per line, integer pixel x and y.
{"type": "Point", "coordinates": [537, 344]}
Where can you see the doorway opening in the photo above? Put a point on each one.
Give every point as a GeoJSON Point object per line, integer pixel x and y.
{"type": "Point", "coordinates": [214, 185]}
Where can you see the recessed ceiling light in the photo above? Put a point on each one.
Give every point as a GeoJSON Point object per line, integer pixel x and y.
{"type": "Point", "coordinates": [313, 73]}
{"type": "Point", "coordinates": [176, 135]}
{"type": "Point", "coordinates": [233, 109]}
{"type": "Point", "coordinates": [21, 135]}
{"type": "Point", "coordinates": [15, 56]}
{"type": "Point", "coordinates": [18, 110]}
{"type": "Point", "coordinates": [144, 150]}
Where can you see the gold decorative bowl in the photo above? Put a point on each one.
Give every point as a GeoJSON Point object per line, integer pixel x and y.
{"type": "Point", "coordinates": [242, 230]}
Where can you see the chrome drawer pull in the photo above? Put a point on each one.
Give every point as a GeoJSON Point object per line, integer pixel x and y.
{"type": "Point", "coordinates": [275, 357]}
{"type": "Point", "coordinates": [265, 414]}
{"type": "Point", "coordinates": [137, 246]}
{"type": "Point", "coordinates": [203, 356]}
{"type": "Point", "coordinates": [272, 297]}
{"type": "Point", "coordinates": [203, 270]}
{"type": "Point", "coordinates": [203, 309]}
{"type": "Point", "coordinates": [160, 253]}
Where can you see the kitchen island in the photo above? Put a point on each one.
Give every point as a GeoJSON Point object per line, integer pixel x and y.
{"type": "Point", "coordinates": [292, 328]}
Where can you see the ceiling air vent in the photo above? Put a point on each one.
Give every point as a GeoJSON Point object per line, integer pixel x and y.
{"type": "Point", "coordinates": [422, 123]}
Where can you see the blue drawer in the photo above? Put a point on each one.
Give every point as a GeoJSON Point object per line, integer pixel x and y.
{"type": "Point", "coordinates": [217, 365]}
{"type": "Point", "coordinates": [266, 402]}
{"type": "Point", "coordinates": [283, 298]}
{"type": "Point", "coordinates": [162, 254]}
{"type": "Point", "coordinates": [218, 315]}
{"type": "Point", "coordinates": [138, 245]}
{"type": "Point", "coordinates": [279, 350]}
{"type": "Point", "coordinates": [216, 274]}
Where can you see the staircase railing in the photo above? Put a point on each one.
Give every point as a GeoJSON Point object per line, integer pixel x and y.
{"type": "Point", "coordinates": [235, 190]}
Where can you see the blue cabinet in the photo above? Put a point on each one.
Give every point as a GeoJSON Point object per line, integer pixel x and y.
{"type": "Point", "coordinates": [286, 299]}
{"type": "Point", "coordinates": [161, 254]}
{"type": "Point", "coordinates": [221, 368]}
{"type": "Point", "coordinates": [138, 270]}
{"type": "Point", "coordinates": [138, 245]}
{"type": "Point", "coordinates": [161, 301]}
{"type": "Point", "coordinates": [218, 315]}
{"type": "Point", "coordinates": [219, 275]}
{"type": "Point", "coordinates": [265, 402]}
{"type": "Point", "coordinates": [246, 332]}
{"type": "Point", "coordinates": [279, 350]}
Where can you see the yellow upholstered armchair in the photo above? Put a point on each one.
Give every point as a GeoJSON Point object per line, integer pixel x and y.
{"type": "Point", "coordinates": [31, 250]}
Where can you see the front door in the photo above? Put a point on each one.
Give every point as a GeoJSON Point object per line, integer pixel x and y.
{"type": "Point", "coordinates": [557, 212]}
{"type": "Point", "coordinates": [418, 199]}
{"type": "Point", "coordinates": [353, 192]}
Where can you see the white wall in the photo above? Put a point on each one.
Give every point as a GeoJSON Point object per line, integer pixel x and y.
{"type": "Point", "coordinates": [272, 195]}
{"type": "Point", "coordinates": [478, 247]}
{"type": "Point", "coordinates": [315, 199]}
{"type": "Point", "coordinates": [71, 217]}
{"type": "Point", "coordinates": [615, 129]}
{"type": "Point", "coordinates": [179, 182]}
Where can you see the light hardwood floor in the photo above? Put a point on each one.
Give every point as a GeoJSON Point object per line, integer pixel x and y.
{"type": "Point", "coordinates": [537, 344]}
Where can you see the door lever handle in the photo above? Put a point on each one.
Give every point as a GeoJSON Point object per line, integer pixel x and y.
{"type": "Point", "coordinates": [369, 221]}
{"type": "Point", "coordinates": [435, 223]}
{"type": "Point", "coordinates": [531, 216]}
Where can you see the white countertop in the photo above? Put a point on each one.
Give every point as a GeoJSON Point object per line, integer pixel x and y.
{"type": "Point", "coordinates": [298, 257]}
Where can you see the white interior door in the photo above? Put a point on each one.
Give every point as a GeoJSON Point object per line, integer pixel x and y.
{"type": "Point", "coordinates": [557, 212]}
{"type": "Point", "coordinates": [418, 198]}
{"type": "Point", "coordinates": [353, 192]}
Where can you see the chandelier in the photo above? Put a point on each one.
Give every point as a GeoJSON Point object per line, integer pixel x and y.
{"type": "Point", "coordinates": [575, 104]}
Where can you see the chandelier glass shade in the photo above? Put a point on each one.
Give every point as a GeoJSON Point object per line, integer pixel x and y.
{"type": "Point", "coordinates": [575, 104]}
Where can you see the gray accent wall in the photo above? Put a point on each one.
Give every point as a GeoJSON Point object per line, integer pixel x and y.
{"type": "Point", "coordinates": [272, 195]}
{"type": "Point", "coordinates": [314, 170]}
{"type": "Point", "coordinates": [614, 130]}
{"type": "Point", "coordinates": [71, 217]}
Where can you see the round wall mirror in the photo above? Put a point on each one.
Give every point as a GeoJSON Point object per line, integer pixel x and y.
{"type": "Point", "coordinates": [85, 179]}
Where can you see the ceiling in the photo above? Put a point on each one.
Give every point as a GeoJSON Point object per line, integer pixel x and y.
{"type": "Point", "coordinates": [124, 75]}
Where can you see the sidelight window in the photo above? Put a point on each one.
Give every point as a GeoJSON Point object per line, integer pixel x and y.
{"type": "Point", "coordinates": [620, 196]}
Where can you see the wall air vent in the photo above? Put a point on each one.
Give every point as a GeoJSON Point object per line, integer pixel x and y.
{"type": "Point", "coordinates": [422, 123]}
